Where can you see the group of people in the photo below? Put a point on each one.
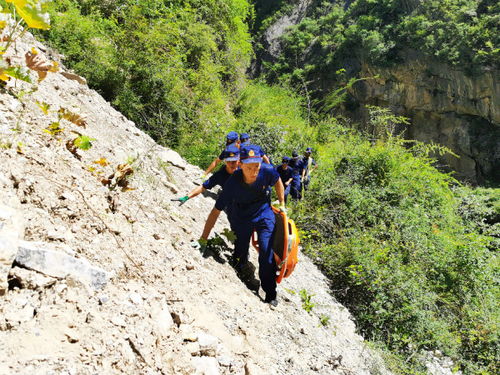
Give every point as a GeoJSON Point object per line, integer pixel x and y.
{"type": "Point", "coordinates": [295, 173]}
{"type": "Point", "coordinates": [247, 179]}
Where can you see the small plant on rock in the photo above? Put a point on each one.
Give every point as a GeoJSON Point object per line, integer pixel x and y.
{"type": "Point", "coordinates": [324, 320]}
{"type": "Point", "coordinates": [306, 300]}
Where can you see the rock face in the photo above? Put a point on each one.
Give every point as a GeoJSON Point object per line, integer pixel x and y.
{"type": "Point", "coordinates": [169, 309]}
{"type": "Point", "coordinates": [445, 106]}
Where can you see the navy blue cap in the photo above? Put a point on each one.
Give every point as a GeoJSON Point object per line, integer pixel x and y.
{"type": "Point", "coordinates": [295, 154]}
{"type": "Point", "coordinates": [232, 136]}
{"type": "Point", "coordinates": [250, 154]}
{"type": "Point", "coordinates": [231, 153]}
{"type": "Point", "coordinates": [285, 159]}
{"type": "Point", "coordinates": [309, 149]}
{"type": "Point", "coordinates": [244, 137]}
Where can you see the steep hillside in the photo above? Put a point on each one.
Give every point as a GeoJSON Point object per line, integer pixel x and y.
{"type": "Point", "coordinates": [154, 304]}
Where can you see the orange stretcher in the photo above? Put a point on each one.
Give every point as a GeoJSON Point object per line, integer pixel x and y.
{"type": "Point", "coordinates": [285, 244]}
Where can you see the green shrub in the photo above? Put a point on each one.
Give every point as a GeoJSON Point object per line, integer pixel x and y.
{"type": "Point", "coordinates": [173, 68]}
{"type": "Point", "coordinates": [385, 227]}
{"type": "Point", "coordinates": [275, 119]}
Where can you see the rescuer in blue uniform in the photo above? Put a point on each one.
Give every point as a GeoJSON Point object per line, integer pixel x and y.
{"type": "Point", "coordinates": [286, 175]}
{"type": "Point", "coordinates": [295, 164]}
{"type": "Point", "coordinates": [248, 191]}
{"type": "Point", "coordinates": [231, 139]}
{"type": "Point", "coordinates": [309, 165]}
{"type": "Point", "coordinates": [231, 157]}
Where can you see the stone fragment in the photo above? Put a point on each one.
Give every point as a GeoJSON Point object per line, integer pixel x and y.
{"type": "Point", "coordinates": [224, 360]}
{"type": "Point", "coordinates": [72, 336]}
{"type": "Point", "coordinates": [162, 319]}
{"type": "Point", "coordinates": [174, 189]}
{"type": "Point", "coordinates": [30, 279]}
{"type": "Point", "coordinates": [103, 298]}
{"type": "Point", "coordinates": [11, 231]}
{"type": "Point", "coordinates": [208, 344]}
{"type": "Point", "coordinates": [135, 298]}
{"type": "Point", "coordinates": [74, 77]}
{"type": "Point", "coordinates": [193, 348]}
{"type": "Point", "coordinates": [188, 333]}
{"type": "Point", "coordinates": [118, 321]}
{"type": "Point", "coordinates": [56, 264]}
{"type": "Point", "coordinates": [19, 313]}
{"type": "Point", "coordinates": [205, 366]}
{"type": "Point", "coordinates": [171, 157]}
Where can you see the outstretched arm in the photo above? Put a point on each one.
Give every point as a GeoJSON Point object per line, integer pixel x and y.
{"type": "Point", "coordinates": [196, 191]}
{"type": "Point", "coordinates": [266, 159]}
{"type": "Point", "coordinates": [280, 191]}
{"type": "Point", "coordinates": [209, 224]}
{"type": "Point", "coordinates": [212, 165]}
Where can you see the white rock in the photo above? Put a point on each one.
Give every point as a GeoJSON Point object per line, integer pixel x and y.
{"type": "Point", "coordinates": [172, 157]}
{"type": "Point", "coordinates": [31, 279]}
{"type": "Point", "coordinates": [205, 366]}
{"type": "Point", "coordinates": [56, 264]}
{"type": "Point", "coordinates": [20, 315]}
{"type": "Point", "coordinates": [162, 319]}
{"type": "Point", "coordinates": [208, 344]}
{"type": "Point", "coordinates": [135, 298]}
{"type": "Point", "coordinates": [118, 321]}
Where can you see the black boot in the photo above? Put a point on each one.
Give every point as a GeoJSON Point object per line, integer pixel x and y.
{"type": "Point", "coordinates": [271, 298]}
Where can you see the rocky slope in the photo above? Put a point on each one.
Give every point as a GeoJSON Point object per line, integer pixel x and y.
{"type": "Point", "coordinates": [158, 306]}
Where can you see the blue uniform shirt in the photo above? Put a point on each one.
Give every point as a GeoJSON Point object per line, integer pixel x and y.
{"type": "Point", "coordinates": [249, 201]}
{"type": "Point", "coordinates": [285, 174]}
{"type": "Point", "coordinates": [218, 178]}
{"type": "Point", "coordinates": [296, 165]}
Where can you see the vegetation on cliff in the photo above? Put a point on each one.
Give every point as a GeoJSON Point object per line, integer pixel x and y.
{"type": "Point", "coordinates": [462, 33]}
{"type": "Point", "coordinates": [172, 67]}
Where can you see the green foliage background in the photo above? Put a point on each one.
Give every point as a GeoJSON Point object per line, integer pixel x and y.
{"type": "Point", "coordinates": [173, 67]}
{"type": "Point", "coordinates": [462, 33]}
{"type": "Point", "coordinates": [411, 252]}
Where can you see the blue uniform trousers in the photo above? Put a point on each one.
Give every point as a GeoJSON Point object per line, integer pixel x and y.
{"type": "Point", "coordinates": [295, 190]}
{"type": "Point", "coordinates": [287, 191]}
{"type": "Point", "coordinates": [264, 226]}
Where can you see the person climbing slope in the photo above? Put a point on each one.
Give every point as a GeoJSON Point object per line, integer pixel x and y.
{"type": "Point", "coordinates": [231, 157]}
{"type": "Point", "coordinates": [286, 175]}
{"type": "Point", "coordinates": [295, 164]}
{"type": "Point", "coordinates": [248, 190]}
{"type": "Point", "coordinates": [231, 139]}
{"type": "Point", "coordinates": [309, 165]}
{"type": "Point", "coordinates": [245, 140]}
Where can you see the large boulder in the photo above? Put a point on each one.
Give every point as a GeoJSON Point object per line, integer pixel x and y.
{"type": "Point", "coordinates": [39, 257]}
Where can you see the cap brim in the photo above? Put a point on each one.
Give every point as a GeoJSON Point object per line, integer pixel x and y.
{"type": "Point", "coordinates": [251, 160]}
{"type": "Point", "coordinates": [235, 158]}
